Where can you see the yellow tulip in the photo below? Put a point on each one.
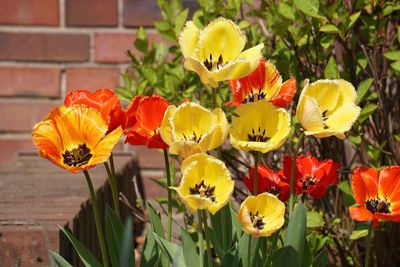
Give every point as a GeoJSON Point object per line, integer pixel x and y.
{"type": "Point", "coordinates": [215, 53]}
{"type": "Point", "coordinates": [191, 128]}
{"type": "Point", "coordinates": [327, 107]}
{"type": "Point", "coordinates": [75, 138]}
{"type": "Point", "coordinates": [261, 215]}
{"type": "Point", "coordinates": [259, 126]}
{"type": "Point", "coordinates": [206, 183]}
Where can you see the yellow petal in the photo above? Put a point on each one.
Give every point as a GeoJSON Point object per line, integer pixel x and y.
{"type": "Point", "coordinates": [166, 127]}
{"type": "Point", "coordinates": [309, 114]}
{"type": "Point", "coordinates": [251, 55]}
{"type": "Point", "coordinates": [102, 151]}
{"type": "Point", "coordinates": [188, 39]}
{"type": "Point", "coordinates": [198, 67]}
{"type": "Point", "coordinates": [325, 92]}
{"type": "Point", "coordinates": [213, 173]}
{"type": "Point", "coordinates": [221, 37]}
{"type": "Point", "coordinates": [184, 148]}
{"type": "Point", "coordinates": [263, 119]}
{"type": "Point", "coordinates": [273, 80]}
{"type": "Point", "coordinates": [268, 207]}
{"type": "Point", "coordinates": [343, 118]}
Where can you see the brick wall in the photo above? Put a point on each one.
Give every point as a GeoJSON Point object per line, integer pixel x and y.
{"type": "Point", "coordinates": [48, 47]}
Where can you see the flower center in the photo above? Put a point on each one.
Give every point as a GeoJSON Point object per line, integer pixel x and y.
{"type": "Point", "coordinates": [251, 97]}
{"type": "Point", "coordinates": [204, 191]}
{"type": "Point", "coordinates": [259, 136]}
{"type": "Point", "coordinates": [77, 156]}
{"type": "Point", "coordinates": [192, 137]}
{"type": "Point", "coordinates": [209, 64]}
{"type": "Point", "coordinates": [377, 205]}
{"type": "Point", "coordinates": [308, 181]}
{"type": "Point", "coordinates": [257, 221]}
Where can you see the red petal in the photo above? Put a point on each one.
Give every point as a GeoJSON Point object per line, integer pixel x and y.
{"type": "Point", "coordinates": [360, 214]}
{"type": "Point", "coordinates": [364, 183]}
{"type": "Point", "coordinates": [285, 95]}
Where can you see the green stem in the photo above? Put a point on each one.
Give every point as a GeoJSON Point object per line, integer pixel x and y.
{"type": "Point", "coordinates": [167, 169]}
{"type": "Point", "coordinates": [256, 159]}
{"type": "Point", "coordinates": [249, 253]}
{"type": "Point", "coordinates": [205, 226]}
{"type": "Point", "coordinates": [294, 156]}
{"type": "Point", "coordinates": [201, 250]}
{"type": "Point", "coordinates": [112, 179]}
{"type": "Point", "coordinates": [368, 245]}
{"type": "Point", "coordinates": [99, 229]}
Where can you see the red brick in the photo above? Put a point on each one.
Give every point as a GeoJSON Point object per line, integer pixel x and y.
{"type": "Point", "coordinates": [111, 47]}
{"type": "Point", "coordinates": [44, 47]}
{"type": "Point", "coordinates": [20, 116]}
{"type": "Point", "coordinates": [28, 12]}
{"type": "Point", "coordinates": [11, 147]}
{"type": "Point", "coordinates": [25, 81]}
{"type": "Point", "coordinates": [141, 13]}
{"type": "Point", "coordinates": [91, 12]}
{"type": "Point", "coordinates": [92, 78]}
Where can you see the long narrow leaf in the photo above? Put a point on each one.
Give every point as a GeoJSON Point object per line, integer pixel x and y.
{"type": "Point", "coordinates": [84, 254]}
{"type": "Point", "coordinates": [114, 230]}
{"type": "Point", "coordinates": [60, 261]}
{"type": "Point", "coordinates": [127, 248]}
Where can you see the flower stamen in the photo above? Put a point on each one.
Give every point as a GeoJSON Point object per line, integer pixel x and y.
{"type": "Point", "coordinates": [77, 156]}
{"type": "Point", "coordinates": [203, 191]}
{"type": "Point", "coordinates": [308, 181]}
{"type": "Point", "coordinates": [257, 221]}
{"type": "Point", "coordinates": [258, 137]}
{"type": "Point", "coordinates": [378, 205]}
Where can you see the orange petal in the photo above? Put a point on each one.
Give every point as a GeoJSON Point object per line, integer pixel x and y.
{"type": "Point", "coordinates": [389, 184]}
{"type": "Point", "coordinates": [360, 214]}
{"type": "Point", "coordinates": [285, 94]}
{"type": "Point", "coordinates": [364, 183]}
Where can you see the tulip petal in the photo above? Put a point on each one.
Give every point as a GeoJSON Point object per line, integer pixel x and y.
{"type": "Point", "coordinates": [364, 183]}
{"type": "Point", "coordinates": [360, 214]}
{"type": "Point", "coordinates": [221, 37]}
{"type": "Point", "coordinates": [343, 118]}
{"type": "Point", "coordinates": [309, 115]}
{"type": "Point", "coordinates": [188, 39]}
{"type": "Point", "coordinates": [389, 184]}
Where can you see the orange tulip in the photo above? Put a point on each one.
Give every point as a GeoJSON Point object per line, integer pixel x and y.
{"type": "Point", "coordinates": [75, 138]}
{"type": "Point", "coordinates": [377, 194]}
{"type": "Point", "coordinates": [144, 117]}
{"type": "Point", "coordinates": [103, 100]}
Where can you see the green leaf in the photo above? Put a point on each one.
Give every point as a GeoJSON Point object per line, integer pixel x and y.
{"type": "Point", "coordinates": [243, 248]}
{"type": "Point", "coordinates": [361, 230]}
{"type": "Point", "coordinates": [345, 187]}
{"type": "Point", "coordinates": [141, 42]}
{"type": "Point", "coordinates": [363, 89]}
{"type": "Point", "coordinates": [189, 250]}
{"type": "Point", "coordinates": [150, 254]}
{"type": "Point", "coordinates": [321, 260]}
{"type": "Point", "coordinates": [84, 254]}
{"type": "Point", "coordinates": [355, 139]}
{"type": "Point", "coordinates": [331, 70]}
{"type": "Point", "coordinates": [180, 20]}
{"type": "Point", "coordinates": [231, 258]}
{"type": "Point", "coordinates": [127, 248]}
{"type": "Point", "coordinates": [353, 18]}
{"type": "Point", "coordinates": [309, 7]}
{"type": "Point", "coordinates": [330, 28]}
{"type": "Point", "coordinates": [286, 256]}
{"type": "Point", "coordinates": [60, 261]}
{"type": "Point", "coordinates": [172, 251]}
{"type": "Point", "coordinates": [326, 41]}
{"type": "Point", "coordinates": [221, 224]}
{"type": "Point", "coordinates": [114, 230]}
{"type": "Point", "coordinates": [295, 232]}
{"type": "Point", "coordinates": [237, 226]}
{"type": "Point", "coordinates": [396, 65]}
{"type": "Point", "coordinates": [393, 55]}
{"type": "Point", "coordinates": [366, 111]}
{"type": "Point", "coordinates": [314, 219]}
{"type": "Point", "coordinates": [286, 11]}
{"type": "Point", "coordinates": [155, 220]}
